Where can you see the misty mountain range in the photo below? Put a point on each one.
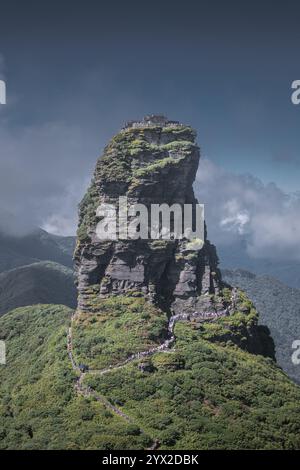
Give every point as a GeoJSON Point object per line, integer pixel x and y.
{"type": "Point", "coordinates": [36, 268]}
{"type": "Point", "coordinates": [42, 282]}
{"type": "Point", "coordinates": [236, 257]}
{"type": "Point", "coordinates": [37, 246]}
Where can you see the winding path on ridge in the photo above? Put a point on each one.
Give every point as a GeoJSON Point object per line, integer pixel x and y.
{"type": "Point", "coordinates": [87, 391]}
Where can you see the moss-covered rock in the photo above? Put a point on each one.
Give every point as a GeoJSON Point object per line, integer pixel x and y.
{"type": "Point", "coordinates": [150, 162]}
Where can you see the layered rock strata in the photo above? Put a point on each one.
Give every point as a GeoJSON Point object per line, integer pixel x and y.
{"type": "Point", "coordinates": [153, 161]}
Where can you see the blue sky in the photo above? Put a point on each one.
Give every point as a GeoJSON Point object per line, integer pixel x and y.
{"type": "Point", "coordinates": [76, 71]}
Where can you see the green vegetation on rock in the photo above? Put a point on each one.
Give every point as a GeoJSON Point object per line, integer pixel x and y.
{"type": "Point", "coordinates": [181, 133]}
{"type": "Point", "coordinates": [157, 166]}
{"type": "Point", "coordinates": [279, 309]}
{"type": "Point", "coordinates": [132, 155]}
{"type": "Point", "coordinates": [240, 328]}
{"type": "Point", "coordinates": [122, 326]}
{"type": "Point", "coordinates": [87, 212]}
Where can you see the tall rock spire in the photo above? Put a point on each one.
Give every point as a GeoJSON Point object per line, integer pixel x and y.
{"type": "Point", "coordinates": [153, 161]}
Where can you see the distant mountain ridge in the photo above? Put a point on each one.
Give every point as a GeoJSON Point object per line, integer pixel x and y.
{"type": "Point", "coordinates": [39, 283]}
{"type": "Point", "coordinates": [16, 251]}
{"type": "Point", "coordinates": [235, 256]}
{"type": "Point", "coordinates": [36, 268]}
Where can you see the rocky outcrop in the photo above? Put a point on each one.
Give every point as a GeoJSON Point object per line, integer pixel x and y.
{"type": "Point", "coordinates": [152, 161]}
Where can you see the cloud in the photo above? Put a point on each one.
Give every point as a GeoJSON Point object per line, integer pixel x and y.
{"type": "Point", "coordinates": [62, 220]}
{"type": "Point", "coordinates": [49, 146]}
{"type": "Point", "coordinates": [44, 171]}
{"type": "Point", "coordinates": [242, 206]}
{"type": "Point", "coordinates": [236, 219]}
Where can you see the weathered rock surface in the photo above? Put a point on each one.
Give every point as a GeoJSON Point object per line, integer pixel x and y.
{"type": "Point", "coordinates": [153, 161]}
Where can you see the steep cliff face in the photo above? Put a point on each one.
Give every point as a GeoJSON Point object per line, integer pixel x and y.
{"type": "Point", "coordinates": [153, 161]}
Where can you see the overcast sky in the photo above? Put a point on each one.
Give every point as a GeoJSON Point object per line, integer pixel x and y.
{"type": "Point", "coordinates": [76, 71]}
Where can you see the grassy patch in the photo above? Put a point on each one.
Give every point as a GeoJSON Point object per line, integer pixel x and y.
{"type": "Point", "coordinates": [39, 408]}
{"type": "Point", "coordinates": [206, 396]}
{"type": "Point", "coordinates": [122, 326]}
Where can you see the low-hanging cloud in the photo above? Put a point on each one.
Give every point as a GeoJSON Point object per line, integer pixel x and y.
{"type": "Point", "coordinates": [44, 171]}
{"type": "Point", "coordinates": [243, 206]}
